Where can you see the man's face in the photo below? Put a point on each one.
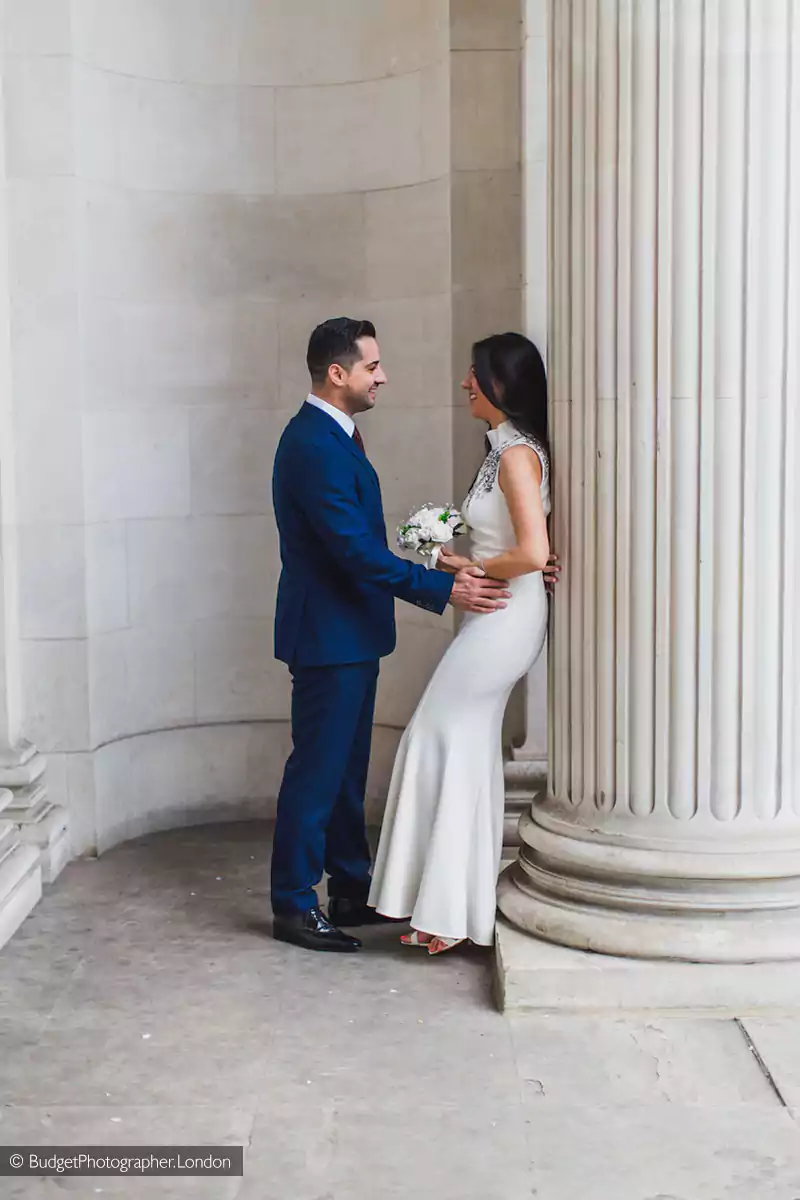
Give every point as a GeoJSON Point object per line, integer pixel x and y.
{"type": "Point", "coordinates": [361, 383]}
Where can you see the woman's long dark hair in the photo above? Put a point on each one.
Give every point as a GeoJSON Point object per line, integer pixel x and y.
{"type": "Point", "coordinates": [511, 374]}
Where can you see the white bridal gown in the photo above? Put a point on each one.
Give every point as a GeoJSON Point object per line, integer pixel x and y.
{"type": "Point", "coordinates": [442, 836]}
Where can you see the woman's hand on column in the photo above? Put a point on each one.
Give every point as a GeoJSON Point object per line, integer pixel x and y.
{"type": "Point", "coordinates": [551, 573]}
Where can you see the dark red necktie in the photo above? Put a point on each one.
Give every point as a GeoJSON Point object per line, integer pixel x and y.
{"type": "Point", "coordinates": [359, 441]}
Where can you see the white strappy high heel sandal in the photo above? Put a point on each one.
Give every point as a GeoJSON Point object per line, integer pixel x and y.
{"type": "Point", "coordinates": [415, 938]}
{"type": "Point", "coordinates": [444, 944]}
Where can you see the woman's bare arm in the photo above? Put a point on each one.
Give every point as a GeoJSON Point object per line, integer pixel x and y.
{"type": "Point", "coordinates": [520, 481]}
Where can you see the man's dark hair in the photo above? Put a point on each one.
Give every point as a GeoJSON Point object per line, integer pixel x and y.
{"type": "Point", "coordinates": [336, 341]}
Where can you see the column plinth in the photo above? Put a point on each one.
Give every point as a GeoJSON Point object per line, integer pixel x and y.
{"type": "Point", "coordinates": [525, 768]}
{"type": "Point", "coordinates": [671, 826]}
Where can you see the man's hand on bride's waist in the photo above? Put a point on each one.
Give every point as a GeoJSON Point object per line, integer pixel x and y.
{"type": "Point", "coordinates": [474, 592]}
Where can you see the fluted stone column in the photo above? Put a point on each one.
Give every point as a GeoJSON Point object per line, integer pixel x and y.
{"type": "Point", "coordinates": [671, 828]}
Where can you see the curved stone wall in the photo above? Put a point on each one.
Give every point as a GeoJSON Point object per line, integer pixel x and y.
{"type": "Point", "coordinates": [233, 173]}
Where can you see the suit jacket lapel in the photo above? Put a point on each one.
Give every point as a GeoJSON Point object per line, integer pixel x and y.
{"type": "Point", "coordinates": [333, 427]}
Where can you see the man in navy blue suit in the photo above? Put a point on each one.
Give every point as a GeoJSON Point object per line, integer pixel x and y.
{"type": "Point", "coordinates": [334, 622]}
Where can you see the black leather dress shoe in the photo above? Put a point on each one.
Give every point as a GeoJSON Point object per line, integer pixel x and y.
{"type": "Point", "coordinates": [350, 913]}
{"type": "Point", "coordinates": [313, 931]}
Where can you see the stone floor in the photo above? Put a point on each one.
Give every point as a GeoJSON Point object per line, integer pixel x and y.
{"type": "Point", "coordinates": [144, 1001]}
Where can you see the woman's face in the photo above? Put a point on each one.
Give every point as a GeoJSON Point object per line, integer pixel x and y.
{"type": "Point", "coordinates": [480, 407]}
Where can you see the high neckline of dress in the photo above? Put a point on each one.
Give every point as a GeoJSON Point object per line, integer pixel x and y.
{"type": "Point", "coordinates": [500, 435]}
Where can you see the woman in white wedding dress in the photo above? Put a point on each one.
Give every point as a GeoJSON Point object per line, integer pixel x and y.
{"type": "Point", "coordinates": [442, 836]}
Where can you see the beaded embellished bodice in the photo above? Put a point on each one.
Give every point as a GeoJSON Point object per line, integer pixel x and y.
{"type": "Point", "coordinates": [485, 509]}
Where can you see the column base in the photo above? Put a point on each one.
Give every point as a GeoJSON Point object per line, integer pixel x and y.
{"type": "Point", "coordinates": [535, 976]}
{"type": "Point", "coordinates": [614, 892]}
{"type": "Point", "coordinates": [525, 780]}
{"type": "Point", "coordinates": [21, 766]}
{"type": "Point", "coordinates": [41, 824]}
{"type": "Point", "coordinates": [20, 881]}
{"type": "Point", "coordinates": [46, 826]}
{"type": "Point", "coordinates": [642, 924]}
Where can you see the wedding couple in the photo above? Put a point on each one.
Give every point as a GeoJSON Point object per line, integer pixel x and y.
{"type": "Point", "coordinates": [441, 842]}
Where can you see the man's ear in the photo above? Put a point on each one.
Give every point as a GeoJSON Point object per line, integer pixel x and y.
{"type": "Point", "coordinates": [337, 375]}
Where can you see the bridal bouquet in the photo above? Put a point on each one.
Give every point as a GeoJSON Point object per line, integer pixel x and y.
{"type": "Point", "coordinates": [430, 528]}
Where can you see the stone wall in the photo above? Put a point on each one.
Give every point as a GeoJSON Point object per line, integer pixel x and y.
{"type": "Point", "coordinates": [192, 186]}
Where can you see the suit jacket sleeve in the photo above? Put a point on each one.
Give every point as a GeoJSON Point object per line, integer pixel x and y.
{"type": "Point", "coordinates": [327, 496]}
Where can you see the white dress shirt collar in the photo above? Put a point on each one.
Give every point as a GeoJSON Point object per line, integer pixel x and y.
{"type": "Point", "coordinates": [341, 418]}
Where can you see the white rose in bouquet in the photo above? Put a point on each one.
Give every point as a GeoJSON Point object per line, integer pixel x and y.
{"type": "Point", "coordinates": [430, 528]}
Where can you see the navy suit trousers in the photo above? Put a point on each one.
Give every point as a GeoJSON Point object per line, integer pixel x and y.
{"type": "Point", "coordinates": [320, 824]}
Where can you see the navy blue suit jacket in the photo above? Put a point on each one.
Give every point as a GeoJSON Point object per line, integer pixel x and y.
{"type": "Point", "coordinates": [339, 579]}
